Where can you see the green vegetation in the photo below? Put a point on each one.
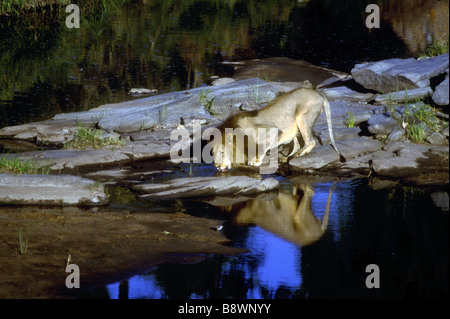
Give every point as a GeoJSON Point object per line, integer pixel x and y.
{"type": "Point", "coordinates": [17, 166]}
{"type": "Point", "coordinates": [91, 138]}
{"type": "Point", "coordinates": [416, 132]}
{"type": "Point", "coordinates": [349, 120]}
{"type": "Point", "coordinates": [207, 103]}
{"type": "Point", "coordinates": [15, 7]}
{"type": "Point", "coordinates": [435, 48]}
{"type": "Point", "coordinates": [99, 186]}
{"type": "Point", "coordinates": [419, 119]}
{"type": "Point", "coordinates": [23, 242]}
{"type": "Point", "coordinates": [20, 7]}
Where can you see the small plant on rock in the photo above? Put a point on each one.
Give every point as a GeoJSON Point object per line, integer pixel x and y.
{"type": "Point", "coordinates": [91, 138]}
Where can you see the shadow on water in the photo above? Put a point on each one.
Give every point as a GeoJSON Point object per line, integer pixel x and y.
{"type": "Point", "coordinates": [313, 240]}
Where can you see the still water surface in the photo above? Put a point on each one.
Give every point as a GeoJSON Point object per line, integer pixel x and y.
{"type": "Point", "coordinates": [402, 230]}
{"type": "Point", "coordinates": [46, 68]}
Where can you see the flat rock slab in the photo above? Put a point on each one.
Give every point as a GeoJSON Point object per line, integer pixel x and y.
{"type": "Point", "coordinates": [61, 160]}
{"type": "Point", "coordinates": [67, 160]}
{"type": "Point", "coordinates": [50, 190]}
{"type": "Point", "coordinates": [405, 95]}
{"type": "Point", "coordinates": [283, 69]}
{"type": "Point", "coordinates": [192, 187]}
{"type": "Point", "coordinates": [49, 132]}
{"type": "Point", "coordinates": [399, 74]}
{"type": "Point", "coordinates": [346, 90]}
{"type": "Point", "coordinates": [400, 159]}
{"type": "Point", "coordinates": [167, 110]}
{"type": "Point", "coordinates": [325, 154]}
{"type": "Point", "coordinates": [382, 124]}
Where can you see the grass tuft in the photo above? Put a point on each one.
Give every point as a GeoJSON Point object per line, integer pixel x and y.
{"type": "Point", "coordinates": [23, 242]}
{"type": "Point", "coordinates": [17, 166]}
{"type": "Point", "coordinates": [86, 138]}
{"type": "Point", "coordinates": [435, 48]}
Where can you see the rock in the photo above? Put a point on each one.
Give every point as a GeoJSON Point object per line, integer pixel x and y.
{"type": "Point", "coordinates": [194, 119]}
{"type": "Point", "coordinates": [436, 138]}
{"type": "Point", "coordinates": [441, 93]}
{"type": "Point", "coordinates": [396, 134]}
{"type": "Point", "coordinates": [166, 110]}
{"type": "Point", "coordinates": [151, 150]}
{"type": "Point", "coordinates": [109, 175]}
{"type": "Point", "coordinates": [359, 164]}
{"type": "Point", "coordinates": [255, 92]}
{"type": "Point", "coordinates": [339, 111]}
{"type": "Point", "coordinates": [325, 154]}
{"type": "Point", "coordinates": [403, 96]}
{"type": "Point", "coordinates": [340, 133]}
{"type": "Point", "coordinates": [346, 90]}
{"type": "Point", "coordinates": [399, 74]}
{"type": "Point", "coordinates": [399, 159]}
{"type": "Point", "coordinates": [281, 69]}
{"type": "Point", "coordinates": [58, 160]}
{"type": "Point", "coordinates": [361, 117]}
{"type": "Point", "coordinates": [289, 86]}
{"type": "Point", "coordinates": [68, 160]}
{"type": "Point", "coordinates": [441, 200]}
{"type": "Point", "coordinates": [406, 149]}
{"type": "Point", "coordinates": [139, 91]}
{"type": "Point", "coordinates": [445, 132]}
{"type": "Point", "coordinates": [382, 124]}
{"type": "Point", "coordinates": [343, 93]}
{"type": "Point", "coordinates": [50, 190]}
{"type": "Point", "coordinates": [222, 81]}
{"type": "Point", "coordinates": [191, 187]}
{"type": "Point", "coordinates": [166, 114]}
{"type": "Point", "coordinates": [48, 133]}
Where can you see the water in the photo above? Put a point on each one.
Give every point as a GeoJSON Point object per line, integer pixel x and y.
{"type": "Point", "coordinates": [46, 68]}
{"type": "Point", "coordinates": [399, 229]}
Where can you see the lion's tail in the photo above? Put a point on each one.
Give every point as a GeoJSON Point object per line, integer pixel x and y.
{"type": "Point", "coordinates": [326, 106]}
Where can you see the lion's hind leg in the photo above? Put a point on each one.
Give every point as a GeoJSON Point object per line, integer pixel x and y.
{"type": "Point", "coordinates": [306, 131]}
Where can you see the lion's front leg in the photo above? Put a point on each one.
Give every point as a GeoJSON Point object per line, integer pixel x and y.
{"type": "Point", "coordinates": [265, 142]}
{"type": "Point", "coordinates": [254, 161]}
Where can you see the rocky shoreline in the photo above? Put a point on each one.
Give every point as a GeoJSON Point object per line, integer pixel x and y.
{"type": "Point", "coordinates": [371, 109]}
{"type": "Point", "coordinates": [69, 214]}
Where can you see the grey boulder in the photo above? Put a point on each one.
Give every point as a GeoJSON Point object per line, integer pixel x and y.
{"type": "Point", "coordinates": [440, 95]}
{"type": "Point", "coordinates": [399, 74]}
{"type": "Point", "coordinates": [50, 190]}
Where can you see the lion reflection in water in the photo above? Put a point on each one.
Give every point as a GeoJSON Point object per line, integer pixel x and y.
{"type": "Point", "coordinates": [289, 216]}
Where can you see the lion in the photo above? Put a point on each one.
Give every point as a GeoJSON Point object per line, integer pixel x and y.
{"type": "Point", "coordinates": [289, 216]}
{"type": "Point", "coordinates": [290, 114]}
